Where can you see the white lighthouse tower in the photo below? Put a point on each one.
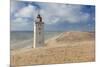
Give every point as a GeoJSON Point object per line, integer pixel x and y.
{"type": "Point", "coordinates": [38, 32]}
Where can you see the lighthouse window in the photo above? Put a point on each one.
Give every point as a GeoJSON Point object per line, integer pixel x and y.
{"type": "Point", "coordinates": [39, 33]}
{"type": "Point", "coordinates": [39, 42]}
{"type": "Point", "coordinates": [39, 28]}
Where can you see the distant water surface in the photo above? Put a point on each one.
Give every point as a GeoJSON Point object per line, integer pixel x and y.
{"type": "Point", "coordinates": [24, 39]}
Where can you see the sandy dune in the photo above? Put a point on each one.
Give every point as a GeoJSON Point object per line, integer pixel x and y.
{"type": "Point", "coordinates": [70, 37]}
{"type": "Point", "coordinates": [67, 47]}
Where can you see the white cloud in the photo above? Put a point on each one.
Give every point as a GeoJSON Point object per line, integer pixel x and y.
{"type": "Point", "coordinates": [20, 24]}
{"type": "Point", "coordinates": [51, 12]}
{"type": "Point", "coordinates": [27, 11]}
{"type": "Point", "coordinates": [20, 21]}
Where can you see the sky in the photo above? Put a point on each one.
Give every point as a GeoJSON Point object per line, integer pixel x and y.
{"type": "Point", "coordinates": [56, 16]}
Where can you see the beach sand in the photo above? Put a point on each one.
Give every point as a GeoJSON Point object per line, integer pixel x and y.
{"type": "Point", "coordinates": [68, 47]}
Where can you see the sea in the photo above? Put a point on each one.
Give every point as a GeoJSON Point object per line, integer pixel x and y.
{"type": "Point", "coordinates": [24, 39]}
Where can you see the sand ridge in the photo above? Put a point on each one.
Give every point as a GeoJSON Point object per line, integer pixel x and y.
{"type": "Point", "coordinates": [68, 47]}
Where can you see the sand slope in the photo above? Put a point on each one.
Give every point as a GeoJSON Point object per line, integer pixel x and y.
{"type": "Point", "coordinates": [70, 37]}
{"type": "Point", "coordinates": [67, 47]}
